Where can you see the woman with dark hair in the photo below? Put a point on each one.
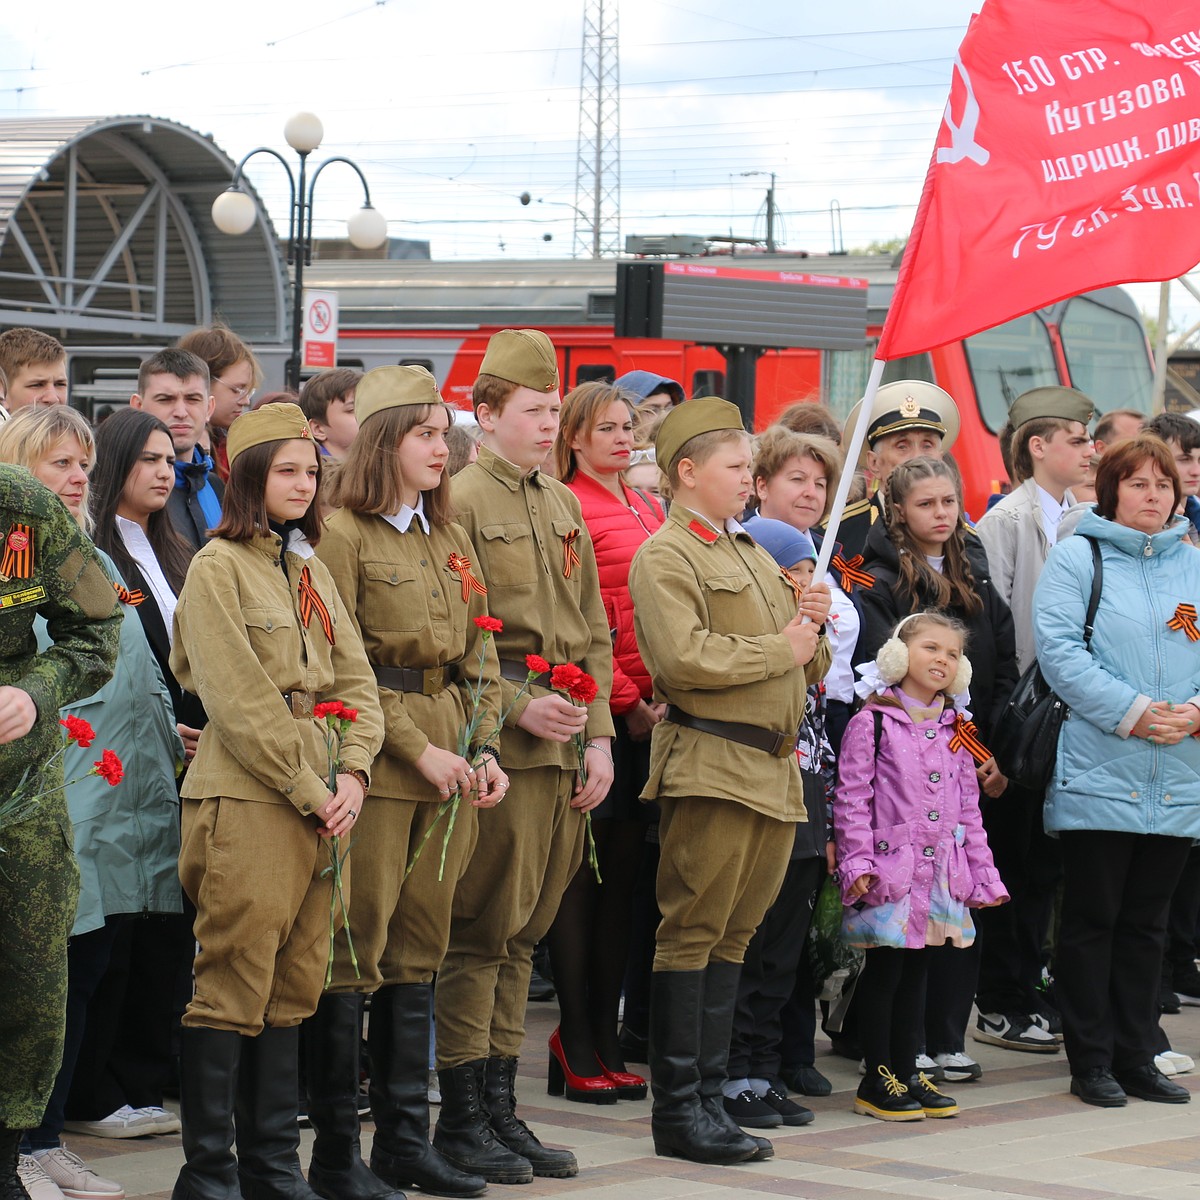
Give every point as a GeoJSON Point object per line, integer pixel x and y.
{"type": "Point", "coordinates": [1124, 801]}
{"type": "Point", "coordinates": [261, 637]}
{"type": "Point", "coordinates": [921, 557]}
{"type": "Point", "coordinates": [403, 569]}
{"type": "Point", "coordinates": [125, 1060]}
{"type": "Point", "coordinates": [589, 940]}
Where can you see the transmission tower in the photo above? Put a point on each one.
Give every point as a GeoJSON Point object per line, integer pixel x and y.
{"type": "Point", "coordinates": [598, 149]}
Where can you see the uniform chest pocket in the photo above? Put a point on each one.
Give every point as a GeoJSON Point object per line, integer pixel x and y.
{"type": "Point", "coordinates": [566, 534]}
{"type": "Point", "coordinates": [393, 598]}
{"type": "Point", "coordinates": [727, 597]}
{"type": "Point", "coordinates": [268, 629]}
{"type": "Point", "coordinates": [511, 555]}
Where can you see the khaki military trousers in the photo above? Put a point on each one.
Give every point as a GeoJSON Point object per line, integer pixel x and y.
{"type": "Point", "coordinates": [401, 926]}
{"type": "Point", "coordinates": [253, 871]}
{"type": "Point", "coordinates": [721, 865]}
{"type": "Point", "coordinates": [529, 847]}
{"type": "Point", "coordinates": [39, 890]}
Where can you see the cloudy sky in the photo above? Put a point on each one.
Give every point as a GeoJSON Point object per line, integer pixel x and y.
{"type": "Point", "coordinates": [454, 110]}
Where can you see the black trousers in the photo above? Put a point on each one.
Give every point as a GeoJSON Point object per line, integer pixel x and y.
{"type": "Point", "coordinates": [1185, 910]}
{"type": "Point", "coordinates": [1012, 935]}
{"type": "Point", "coordinates": [769, 973]}
{"type": "Point", "coordinates": [889, 996]}
{"type": "Point", "coordinates": [1117, 892]}
{"type": "Point", "coordinates": [949, 994]}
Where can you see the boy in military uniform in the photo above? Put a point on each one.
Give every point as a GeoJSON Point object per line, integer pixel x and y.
{"type": "Point", "coordinates": [537, 561]}
{"type": "Point", "coordinates": [48, 568]}
{"type": "Point", "coordinates": [718, 626]}
{"type": "Point", "coordinates": [909, 418]}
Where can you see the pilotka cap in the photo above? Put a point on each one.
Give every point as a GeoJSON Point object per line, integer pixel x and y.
{"type": "Point", "coordinates": [271, 423]}
{"type": "Point", "coordinates": [394, 387]}
{"type": "Point", "coordinates": [689, 420]}
{"type": "Point", "coordinates": [1067, 404]}
{"type": "Point", "coordinates": [522, 356]}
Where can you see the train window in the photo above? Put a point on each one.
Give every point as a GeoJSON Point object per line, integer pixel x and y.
{"type": "Point", "coordinates": [1106, 355]}
{"type": "Point", "coordinates": [354, 364]}
{"type": "Point", "coordinates": [708, 383]}
{"type": "Point", "coordinates": [588, 372]}
{"type": "Point", "coordinates": [1009, 360]}
{"type": "Point", "coordinates": [601, 306]}
{"type": "Point", "coordinates": [427, 363]}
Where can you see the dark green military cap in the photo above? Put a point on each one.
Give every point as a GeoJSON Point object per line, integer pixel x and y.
{"type": "Point", "coordinates": [522, 356]}
{"type": "Point", "coordinates": [690, 419]}
{"type": "Point", "coordinates": [394, 387]}
{"type": "Point", "coordinates": [1065, 403]}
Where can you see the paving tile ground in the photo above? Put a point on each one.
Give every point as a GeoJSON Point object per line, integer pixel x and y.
{"type": "Point", "coordinates": [1019, 1134]}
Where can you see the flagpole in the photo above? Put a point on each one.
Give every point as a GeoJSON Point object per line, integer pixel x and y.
{"type": "Point", "coordinates": [852, 453]}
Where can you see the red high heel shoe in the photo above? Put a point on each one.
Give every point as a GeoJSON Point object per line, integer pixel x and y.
{"type": "Point", "coordinates": [629, 1086]}
{"type": "Point", "coordinates": [586, 1089]}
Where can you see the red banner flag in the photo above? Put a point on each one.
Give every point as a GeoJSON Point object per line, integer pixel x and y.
{"type": "Point", "coordinates": [1068, 159]}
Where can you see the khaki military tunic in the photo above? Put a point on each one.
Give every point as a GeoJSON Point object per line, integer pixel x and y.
{"type": "Point", "coordinates": [537, 558]}
{"type": "Point", "coordinates": [709, 609]}
{"type": "Point", "coordinates": [48, 568]}
{"type": "Point", "coordinates": [251, 859]}
{"type": "Point", "coordinates": [414, 597]}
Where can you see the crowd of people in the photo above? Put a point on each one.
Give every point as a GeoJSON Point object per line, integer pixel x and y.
{"type": "Point", "coordinates": [397, 699]}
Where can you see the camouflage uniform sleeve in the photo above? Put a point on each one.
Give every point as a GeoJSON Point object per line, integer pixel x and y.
{"type": "Point", "coordinates": [83, 618]}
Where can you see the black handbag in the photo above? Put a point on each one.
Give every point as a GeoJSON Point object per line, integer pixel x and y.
{"type": "Point", "coordinates": [1025, 740]}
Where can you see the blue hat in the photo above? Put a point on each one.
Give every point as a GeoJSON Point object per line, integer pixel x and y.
{"type": "Point", "coordinates": [640, 384]}
{"type": "Point", "coordinates": [783, 542]}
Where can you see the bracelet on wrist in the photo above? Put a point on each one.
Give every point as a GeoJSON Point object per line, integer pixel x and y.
{"type": "Point", "coordinates": [487, 752]}
{"type": "Point", "coordinates": [361, 776]}
{"type": "Point", "coordinates": [597, 746]}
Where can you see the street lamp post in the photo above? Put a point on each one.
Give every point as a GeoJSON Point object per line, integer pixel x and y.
{"type": "Point", "coordinates": [234, 212]}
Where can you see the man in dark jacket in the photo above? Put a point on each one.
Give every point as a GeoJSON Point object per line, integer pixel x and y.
{"type": "Point", "coordinates": [174, 386]}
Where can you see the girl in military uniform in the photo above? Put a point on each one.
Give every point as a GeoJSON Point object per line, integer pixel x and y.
{"type": "Point", "coordinates": [260, 636]}
{"type": "Point", "coordinates": [404, 572]}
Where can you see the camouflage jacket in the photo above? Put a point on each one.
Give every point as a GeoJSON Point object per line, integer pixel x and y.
{"type": "Point", "coordinates": [49, 568]}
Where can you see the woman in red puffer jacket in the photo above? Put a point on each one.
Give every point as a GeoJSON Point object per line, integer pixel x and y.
{"type": "Point", "coordinates": [589, 942]}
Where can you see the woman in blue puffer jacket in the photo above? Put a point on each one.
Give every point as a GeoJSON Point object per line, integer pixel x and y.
{"type": "Point", "coordinates": [1124, 801]}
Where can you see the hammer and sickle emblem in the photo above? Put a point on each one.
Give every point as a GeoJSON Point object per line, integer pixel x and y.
{"type": "Point", "coordinates": [962, 136]}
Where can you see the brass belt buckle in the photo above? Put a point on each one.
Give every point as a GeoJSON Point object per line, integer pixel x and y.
{"type": "Point", "coordinates": [302, 704]}
{"type": "Point", "coordinates": [434, 681]}
{"type": "Point", "coordinates": [784, 746]}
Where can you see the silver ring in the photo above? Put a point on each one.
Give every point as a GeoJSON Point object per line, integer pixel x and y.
{"type": "Point", "coordinates": [353, 813]}
{"type": "Point", "coordinates": [470, 770]}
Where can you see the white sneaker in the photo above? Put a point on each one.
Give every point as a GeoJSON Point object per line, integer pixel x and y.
{"type": "Point", "coordinates": [1014, 1032]}
{"type": "Point", "coordinates": [75, 1179]}
{"type": "Point", "coordinates": [929, 1067]}
{"type": "Point", "coordinates": [435, 1088]}
{"type": "Point", "coordinates": [1180, 1063]}
{"type": "Point", "coordinates": [165, 1121]}
{"type": "Point", "coordinates": [958, 1067]}
{"type": "Point", "coordinates": [124, 1123]}
{"type": "Point", "coordinates": [37, 1184]}
{"type": "Point", "coordinates": [1165, 1065]}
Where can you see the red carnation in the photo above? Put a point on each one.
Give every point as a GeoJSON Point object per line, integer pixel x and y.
{"type": "Point", "coordinates": [536, 664]}
{"type": "Point", "coordinates": [586, 689]}
{"type": "Point", "coordinates": [78, 731]}
{"type": "Point", "coordinates": [328, 708]}
{"type": "Point", "coordinates": [564, 677]}
{"type": "Point", "coordinates": [109, 768]}
{"type": "Point", "coordinates": [489, 624]}
{"type": "Point", "coordinates": [348, 714]}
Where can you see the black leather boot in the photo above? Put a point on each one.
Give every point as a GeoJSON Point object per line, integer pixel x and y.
{"type": "Point", "coordinates": [331, 1052]}
{"type": "Point", "coordinates": [464, 1136]}
{"type": "Point", "coordinates": [500, 1101]}
{"type": "Point", "coordinates": [681, 1125]}
{"type": "Point", "coordinates": [268, 1137]}
{"type": "Point", "coordinates": [398, 1039]}
{"type": "Point", "coordinates": [208, 1075]}
{"type": "Point", "coordinates": [11, 1187]}
{"type": "Point", "coordinates": [716, 1028]}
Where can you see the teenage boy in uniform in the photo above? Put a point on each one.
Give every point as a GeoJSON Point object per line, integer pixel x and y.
{"type": "Point", "coordinates": [909, 418]}
{"type": "Point", "coordinates": [536, 558]}
{"type": "Point", "coordinates": [1051, 451]}
{"type": "Point", "coordinates": [35, 365]}
{"type": "Point", "coordinates": [718, 627]}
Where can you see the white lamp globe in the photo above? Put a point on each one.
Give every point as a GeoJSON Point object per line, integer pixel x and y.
{"type": "Point", "coordinates": [367, 228]}
{"type": "Point", "coordinates": [304, 132]}
{"type": "Point", "coordinates": [234, 212]}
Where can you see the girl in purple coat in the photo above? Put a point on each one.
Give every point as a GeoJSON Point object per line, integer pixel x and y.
{"type": "Point", "coordinates": [911, 851]}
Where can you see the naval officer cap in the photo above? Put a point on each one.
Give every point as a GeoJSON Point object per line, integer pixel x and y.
{"type": "Point", "coordinates": [271, 423]}
{"type": "Point", "coordinates": [394, 387]}
{"type": "Point", "coordinates": [1064, 403]}
{"type": "Point", "coordinates": [690, 420]}
{"type": "Point", "coordinates": [522, 356]}
{"type": "Point", "coordinates": [904, 405]}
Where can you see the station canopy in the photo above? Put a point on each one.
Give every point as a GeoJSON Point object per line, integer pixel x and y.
{"type": "Point", "coordinates": [106, 235]}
